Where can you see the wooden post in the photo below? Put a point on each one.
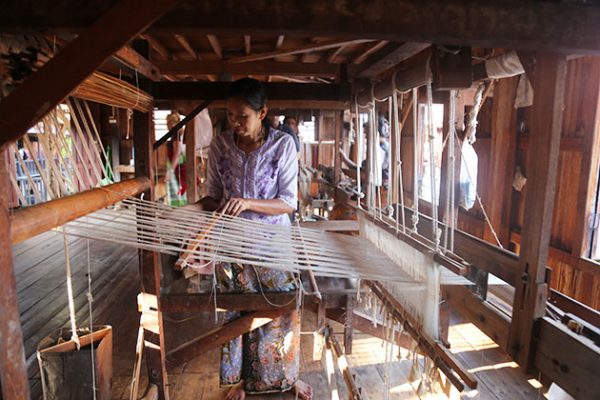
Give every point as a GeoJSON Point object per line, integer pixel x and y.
{"type": "Point", "coordinates": [13, 371]}
{"type": "Point", "coordinates": [339, 126]}
{"type": "Point", "coordinates": [348, 327]}
{"type": "Point", "coordinates": [191, 162]}
{"type": "Point", "coordinates": [502, 160]}
{"type": "Point", "coordinates": [546, 126]}
{"type": "Point", "coordinates": [143, 138]}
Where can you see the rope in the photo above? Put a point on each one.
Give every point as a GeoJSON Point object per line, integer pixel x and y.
{"type": "Point", "coordinates": [416, 155]}
{"type": "Point", "coordinates": [90, 300]}
{"type": "Point", "coordinates": [74, 336]}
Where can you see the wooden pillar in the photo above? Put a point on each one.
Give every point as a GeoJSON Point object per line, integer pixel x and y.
{"type": "Point", "coordinates": [339, 126]}
{"type": "Point", "coordinates": [546, 125]}
{"type": "Point", "coordinates": [143, 135]}
{"type": "Point", "coordinates": [191, 162]}
{"type": "Point", "coordinates": [459, 117]}
{"type": "Point", "coordinates": [348, 323]}
{"type": "Point", "coordinates": [502, 160]}
{"type": "Point", "coordinates": [13, 370]}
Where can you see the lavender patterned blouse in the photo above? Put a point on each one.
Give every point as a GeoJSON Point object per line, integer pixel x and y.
{"type": "Point", "coordinates": [269, 172]}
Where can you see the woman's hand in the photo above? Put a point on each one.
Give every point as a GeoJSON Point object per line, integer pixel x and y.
{"type": "Point", "coordinates": [235, 206]}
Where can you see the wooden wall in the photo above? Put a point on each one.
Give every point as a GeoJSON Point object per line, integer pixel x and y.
{"type": "Point", "coordinates": [577, 169]}
{"type": "Point", "coordinates": [576, 182]}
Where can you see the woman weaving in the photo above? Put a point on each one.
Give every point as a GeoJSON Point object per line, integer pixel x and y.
{"type": "Point", "coordinates": [252, 173]}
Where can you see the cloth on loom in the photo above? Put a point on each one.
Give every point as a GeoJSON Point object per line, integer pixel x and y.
{"type": "Point", "coordinates": [266, 358]}
{"type": "Point", "coordinates": [175, 179]}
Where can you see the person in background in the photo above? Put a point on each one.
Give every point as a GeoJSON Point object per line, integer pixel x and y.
{"type": "Point", "coordinates": [276, 124]}
{"type": "Point", "coordinates": [292, 122]}
{"type": "Point", "coordinates": [175, 173]}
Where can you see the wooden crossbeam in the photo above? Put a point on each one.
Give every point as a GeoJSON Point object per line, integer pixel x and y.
{"type": "Point", "coordinates": [134, 60]}
{"type": "Point", "coordinates": [229, 331]}
{"type": "Point", "coordinates": [568, 359]}
{"type": "Point", "coordinates": [275, 91]}
{"type": "Point", "coordinates": [389, 56]}
{"type": "Point", "coordinates": [186, 46]}
{"type": "Point", "coordinates": [558, 26]}
{"type": "Point", "coordinates": [370, 50]}
{"type": "Point", "coordinates": [247, 44]}
{"type": "Point", "coordinates": [44, 89]}
{"type": "Point", "coordinates": [329, 44]}
{"type": "Point", "coordinates": [157, 46]}
{"type": "Point", "coordinates": [30, 221]}
{"type": "Point", "coordinates": [264, 67]}
{"type": "Point", "coordinates": [441, 357]}
{"type": "Point", "coordinates": [216, 46]}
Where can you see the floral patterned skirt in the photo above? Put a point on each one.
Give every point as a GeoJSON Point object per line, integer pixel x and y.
{"type": "Point", "coordinates": [267, 358]}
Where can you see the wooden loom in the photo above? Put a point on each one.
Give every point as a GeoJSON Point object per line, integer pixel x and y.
{"type": "Point", "coordinates": [479, 254]}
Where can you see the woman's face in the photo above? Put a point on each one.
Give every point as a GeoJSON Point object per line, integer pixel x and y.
{"type": "Point", "coordinates": [243, 119]}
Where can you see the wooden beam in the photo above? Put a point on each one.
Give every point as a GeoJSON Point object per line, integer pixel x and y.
{"type": "Point", "coordinates": [546, 125]}
{"type": "Point", "coordinates": [485, 316]}
{"type": "Point", "coordinates": [186, 67]}
{"type": "Point", "coordinates": [412, 77]}
{"type": "Point", "coordinates": [475, 251]}
{"type": "Point", "coordinates": [191, 162]}
{"type": "Point", "coordinates": [558, 26]}
{"type": "Point", "coordinates": [279, 42]}
{"type": "Point", "coordinates": [157, 46]}
{"type": "Point", "coordinates": [328, 44]}
{"type": "Point", "coordinates": [31, 221]}
{"type": "Point", "coordinates": [502, 154]}
{"type": "Point", "coordinates": [388, 57]}
{"type": "Point", "coordinates": [333, 54]}
{"type": "Point", "coordinates": [216, 46]}
{"type": "Point", "coordinates": [437, 353]}
{"type": "Point", "coordinates": [135, 61]}
{"type": "Point", "coordinates": [177, 303]}
{"type": "Point", "coordinates": [149, 261]}
{"type": "Point", "coordinates": [44, 89]}
{"type": "Point", "coordinates": [568, 359]}
{"type": "Point", "coordinates": [186, 46]}
{"type": "Point", "coordinates": [229, 331]}
{"type": "Point", "coordinates": [247, 44]}
{"type": "Point", "coordinates": [13, 370]}
{"type": "Point", "coordinates": [370, 50]}
{"type": "Point", "coordinates": [275, 91]}
{"type": "Point", "coordinates": [188, 118]}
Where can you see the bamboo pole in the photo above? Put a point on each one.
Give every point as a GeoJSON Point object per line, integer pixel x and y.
{"type": "Point", "coordinates": [31, 221]}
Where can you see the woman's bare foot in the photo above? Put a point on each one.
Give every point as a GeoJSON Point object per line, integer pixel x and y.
{"type": "Point", "coordinates": [237, 392]}
{"type": "Point", "coordinates": [302, 390]}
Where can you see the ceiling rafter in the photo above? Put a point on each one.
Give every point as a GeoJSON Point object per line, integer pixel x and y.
{"type": "Point", "coordinates": [187, 46]}
{"type": "Point", "coordinates": [279, 42]}
{"type": "Point", "coordinates": [247, 44]}
{"type": "Point", "coordinates": [157, 46]}
{"type": "Point", "coordinates": [216, 46]}
{"type": "Point", "coordinates": [297, 50]}
{"type": "Point", "coordinates": [306, 56]}
{"type": "Point", "coordinates": [370, 50]}
{"type": "Point", "coordinates": [334, 53]}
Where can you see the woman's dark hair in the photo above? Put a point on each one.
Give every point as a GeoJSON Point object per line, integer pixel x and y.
{"type": "Point", "coordinates": [249, 90]}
